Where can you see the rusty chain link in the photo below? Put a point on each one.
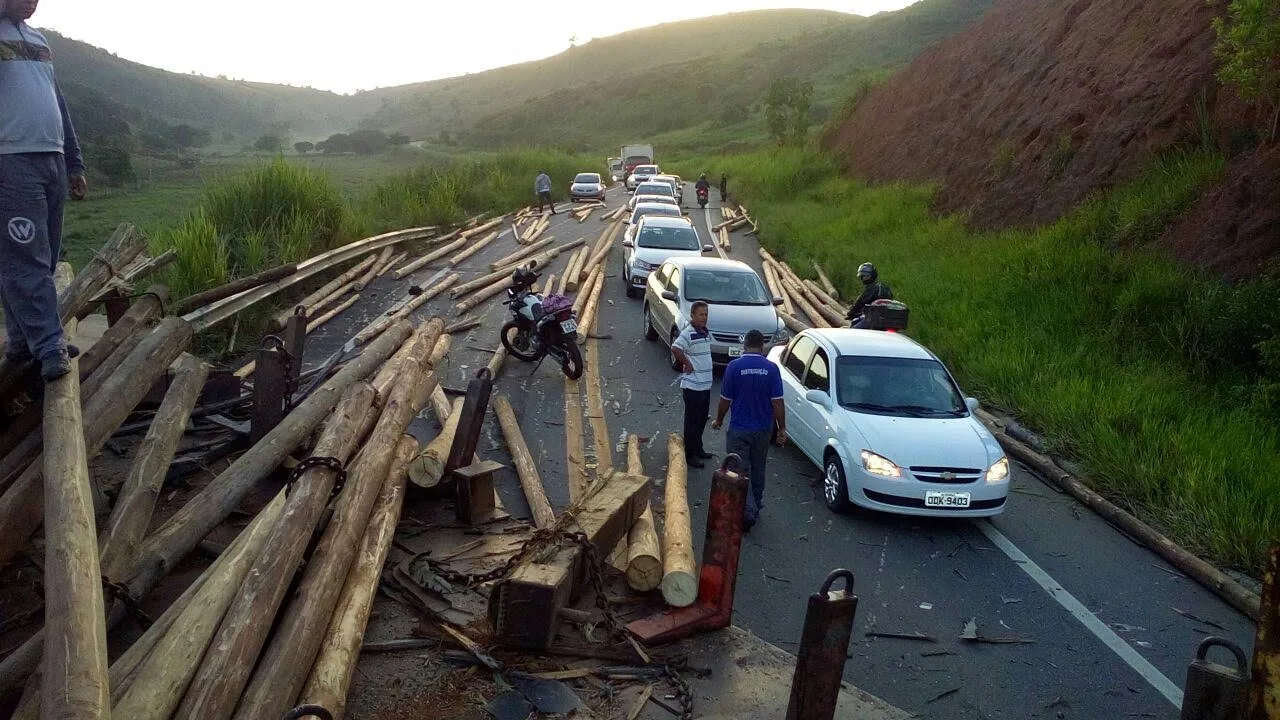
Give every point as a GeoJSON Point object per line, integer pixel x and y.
{"type": "Point", "coordinates": [314, 461]}
{"type": "Point", "coordinates": [618, 632]}
{"type": "Point", "coordinates": [120, 592]}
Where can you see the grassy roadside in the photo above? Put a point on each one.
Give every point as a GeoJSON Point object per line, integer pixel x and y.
{"type": "Point", "coordinates": [1165, 386]}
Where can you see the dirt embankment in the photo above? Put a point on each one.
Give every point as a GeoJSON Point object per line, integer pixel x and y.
{"type": "Point", "coordinates": [1039, 104]}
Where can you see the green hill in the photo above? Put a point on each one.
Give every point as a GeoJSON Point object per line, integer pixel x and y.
{"type": "Point", "coordinates": [453, 105]}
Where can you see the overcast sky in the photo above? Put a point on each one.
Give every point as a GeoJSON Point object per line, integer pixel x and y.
{"type": "Point", "coordinates": [349, 45]}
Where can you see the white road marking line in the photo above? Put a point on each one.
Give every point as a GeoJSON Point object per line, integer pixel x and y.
{"type": "Point", "coordinates": [1101, 630]}
{"type": "Point", "coordinates": [706, 211]}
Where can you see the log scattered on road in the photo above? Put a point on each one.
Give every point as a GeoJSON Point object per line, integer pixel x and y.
{"type": "Point", "coordinates": [326, 290]}
{"type": "Point", "coordinates": [474, 247]}
{"type": "Point", "coordinates": [679, 576]}
{"type": "Point", "coordinates": [317, 323]}
{"type": "Point", "coordinates": [526, 468]}
{"type": "Point", "coordinates": [200, 299]}
{"type": "Point", "coordinates": [644, 549]}
{"type": "Point", "coordinates": [452, 247]}
{"type": "Point", "coordinates": [827, 285]}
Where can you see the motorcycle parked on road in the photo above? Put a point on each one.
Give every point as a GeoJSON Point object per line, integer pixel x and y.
{"type": "Point", "coordinates": [541, 326]}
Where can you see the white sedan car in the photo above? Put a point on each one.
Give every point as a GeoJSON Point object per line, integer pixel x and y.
{"type": "Point", "coordinates": [885, 421]}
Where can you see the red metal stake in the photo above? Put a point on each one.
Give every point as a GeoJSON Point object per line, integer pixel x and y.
{"type": "Point", "coordinates": [714, 607]}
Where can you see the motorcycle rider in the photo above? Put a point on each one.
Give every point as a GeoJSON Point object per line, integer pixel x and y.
{"type": "Point", "coordinates": [872, 290]}
{"type": "Point", "coordinates": [702, 186]}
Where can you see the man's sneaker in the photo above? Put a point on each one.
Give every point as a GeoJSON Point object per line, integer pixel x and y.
{"type": "Point", "coordinates": [23, 356]}
{"type": "Point", "coordinates": [55, 366]}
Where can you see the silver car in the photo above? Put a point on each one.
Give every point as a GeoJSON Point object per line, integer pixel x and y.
{"type": "Point", "coordinates": [736, 297]}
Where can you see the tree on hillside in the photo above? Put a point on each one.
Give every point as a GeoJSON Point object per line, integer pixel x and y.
{"type": "Point", "coordinates": [1248, 51]}
{"type": "Point", "coordinates": [304, 147]}
{"type": "Point", "coordinates": [269, 143]}
{"type": "Point", "coordinates": [398, 139]}
{"type": "Point", "coordinates": [186, 136]}
{"type": "Point", "coordinates": [368, 142]}
{"type": "Point", "coordinates": [786, 110]}
{"type": "Point", "coordinates": [115, 163]}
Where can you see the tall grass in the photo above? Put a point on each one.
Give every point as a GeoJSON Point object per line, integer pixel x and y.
{"type": "Point", "coordinates": [1164, 384]}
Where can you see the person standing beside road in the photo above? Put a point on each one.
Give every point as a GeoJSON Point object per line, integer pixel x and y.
{"type": "Point", "coordinates": [542, 186]}
{"type": "Point", "coordinates": [40, 163]}
{"type": "Point", "coordinates": [752, 388]}
{"type": "Point", "coordinates": [724, 188]}
{"type": "Point", "coordinates": [692, 350]}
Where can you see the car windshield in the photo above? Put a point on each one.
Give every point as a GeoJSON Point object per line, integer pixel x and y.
{"type": "Point", "coordinates": [902, 387]}
{"type": "Point", "coordinates": [663, 210]}
{"type": "Point", "coordinates": [655, 189]}
{"type": "Point", "coordinates": [587, 178]}
{"type": "Point", "coordinates": [668, 238]}
{"type": "Point", "coordinates": [647, 170]}
{"type": "Point", "coordinates": [724, 287]}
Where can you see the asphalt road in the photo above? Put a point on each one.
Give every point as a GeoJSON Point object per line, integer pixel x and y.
{"type": "Point", "coordinates": [1099, 614]}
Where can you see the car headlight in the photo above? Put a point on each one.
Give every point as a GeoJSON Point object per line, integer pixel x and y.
{"type": "Point", "coordinates": [877, 465]}
{"type": "Point", "coordinates": [999, 472]}
{"type": "Point", "coordinates": [781, 336]}
{"type": "Point", "coordinates": [642, 265]}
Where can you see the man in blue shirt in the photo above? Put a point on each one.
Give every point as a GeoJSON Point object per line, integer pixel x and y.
{"type": "Point", "coordinates": [39, 162]}
{"type": "Point", "coordinates": [542, 186]}
{"type": "Point", "coordinates": [752, 387]}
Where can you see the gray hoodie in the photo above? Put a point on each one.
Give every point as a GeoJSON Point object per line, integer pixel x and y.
{"type": "Point", "coordinates": [33, 114]}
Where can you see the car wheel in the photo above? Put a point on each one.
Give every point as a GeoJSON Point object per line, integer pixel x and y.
{"type": "Point", "coordinates": [675, 364]}
{"type": "Point", "coordinates": [649, 333]}
{"type": "Point", "coordinates": [835, 489]}
{"type": "Point", "coordinates": [626, 284]}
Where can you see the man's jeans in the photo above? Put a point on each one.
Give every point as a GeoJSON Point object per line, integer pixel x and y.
{"type": "Point", "coordinates": [753, 447]}
{"type": "Point", "coordinates": [33, 189]}
{"type": "Point", "coordinates": [697, 405]}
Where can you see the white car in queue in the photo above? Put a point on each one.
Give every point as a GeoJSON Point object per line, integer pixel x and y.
{"type": "Point", "coordinates": [886, 422]}
{"type": "Point", "coordinates": [651, 241]}
{"type": "Point", "coordinates": [640, 174]}
{"type": "Point", "coordinates": [648, 208]}
{"type": "Point", "coordinates": [647, 190]}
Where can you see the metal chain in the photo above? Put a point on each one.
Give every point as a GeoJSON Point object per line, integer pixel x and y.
{"type": "Point", "coordinates": [120, 591]}
{"type": "Point", "coordinates": [323, 461]}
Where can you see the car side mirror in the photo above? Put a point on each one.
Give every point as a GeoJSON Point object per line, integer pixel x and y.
{"type": "Point", "coordinates": [628, 243]}
{"type": "Point", "coordinates": [668, 295]}
{"type": "Point", "coordinates": [777, 301]}
{"type": "Point", "coordinates": [972, 404]}
{"type": "Point", "coordinates": [708, 248]}
{"type": "Point", "coordinates": [817, 397]}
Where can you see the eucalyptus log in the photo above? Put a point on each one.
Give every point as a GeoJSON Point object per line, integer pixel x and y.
{"type": "Point", "coordinates": [75, 677]}
{"type": "Point", "coordinates": [156, 682]}
{"type": "Point", "coordinates": [569, 280]}
{"type": "Point", "coordinates": [817, 293]}
{"type": "Point", "coordinates": [591, 308]}
{"type": "Point", "coordinates": [415, 352]}
{"type": "Point", "coordinates": [430, 257]}
{"type": "Point", "coordinates": [526, 468]}
{"type": "Point", "coordinates": [594, 277]}
{"type": "Point", "coordinates": [474, 248]}
{"type": "Point", "coordinates": [126, 243]}
{"type": "Point", "coordinates": [283, 668]}
{"type": "Point", "coordinates": [524, 252]}
{"type": "Point", "coordinates": [376, 328]}
{"type": "Point", "coordinates": [441, 349]}
{"type": "Point", "coordinates": [315, 324]}
{"type": "Point", "coordinates": [493, 277]}
{"type": "Point", "coordinates": [775, 288]}
{"type": "Point", "coordinates": [679, 571]}
{"type": "Point", "coordinates": [131, 515]}
{"type": "Point", "coordinates": [383, 258]}
{"type": "Point", "coordinates": [20, 506]}
{"type": "Point", "coordinates": [200, 299]}
{"type": "Point", "coordinates": [226, 665]}
{"type": "Point", "coordinates": [793, 323]}
{"type": "Point", "coordinates": [724, 240]}
{"type": "Point", "coordinates": [441, 405]}
{"type": "Point", "coordinates": [496, 362]}
{"type": "Point", "coordinates": [463, 325]}
{"type": "Point", "coordinates": [427, 466]}
{"type": "Point", "coordinates": [481, 295]}
{"type": "Point", "coordinates": [644, 550]}
{"type": "Point", "coordinates": [827, 285]}
{"type": "Point", "coordinates": [141, 312]}
{"type": "Point", "coordinates": [800, 298]}
{"type": "Point", "coordinates": [347, 276]}
{"type": "Point", "coordinates": [330, 675]}
{"type": "Point", "coordinates": [473, 231]}
{"type": "Point", "coordinates": [399, 258]}
{"type": "Point", "coordinates": [809, 300]}
{"type": "Point", "coordinates": [606, 245]}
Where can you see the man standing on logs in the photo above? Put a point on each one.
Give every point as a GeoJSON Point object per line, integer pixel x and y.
{"type": "Point", "coordinates": [542, 186]}
{"type": "Point", "coordinates": [692, 350]}
{"type": "Point", "coordinates": [39, 157]}
{"type": "Point", "coordinates": [752, 386]}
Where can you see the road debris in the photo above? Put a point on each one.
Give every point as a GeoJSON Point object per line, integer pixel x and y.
{"type": "Point", "coordinates": [970, 634]}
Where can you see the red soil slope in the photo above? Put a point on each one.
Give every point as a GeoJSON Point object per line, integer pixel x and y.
{"type": "Point", "coordinates": [1042, 102]}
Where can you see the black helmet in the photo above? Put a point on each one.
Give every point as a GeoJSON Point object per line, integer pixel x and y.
{"type": "Point", "coordinates": [867, 273]}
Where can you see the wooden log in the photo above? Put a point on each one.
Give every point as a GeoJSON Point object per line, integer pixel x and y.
{"type": "Point", "coordinates": [524, 252]}
{"type": "Point", "coordinates": [474, 248]}
{"type": "Point", "coordinates": [793, 323]}
{"type": "Point", "coordinates": [591, 307]}
{"type": "Point", "coordinates": [75, 677]}
{"type": "Point", "coordinates": [399, 258]}
{"type": "Point", "coordinates": [536, 232]}
{"type": "Point", "coordinates": [606, 245]}
{"type": "Point", "coordinates": [775, 288]}
{"type": "Point", "coordinates": [574, 450]}
{"type": "Point", "coordinates": [809, 300]}
{"type": "Point", "coordinates": [331, 673]}
{"type": "Point", "coordinates": [594, 278]}
{"type": "Point", "coordinates": [20, 506]}
{"type": "Point", "coordinates": [214, 313]}
{"type": "Point", "coordinates": [155, 685]}
{"type": "Point", "coordinates": [427, 467]}
{"type": "Point", "coordinates": [724, 240]}
{"type": "Point", "coordinates": [493, 277]}
{"type": "Point", "coordinates": [549, 285]}
{"type": "Point", "coordinates": [377, 327]}
{"type": "Point", "coordinates": [569, 280]}
{"type": "Point", "coordinates": [817, 293]}
{"type": "Point", "coordinates": [644, 549]}
{"type": "Point", "coordinates": [481, 295]}
{"type": "Point", "coordinates": [441, 349]}
{"type": "Point", "coordinates": [496, 362]}
{"type": "Point", "coordinates": [526, 468]}
{"type": "Point", "coordinates": [463, 325]}
{"type": "Point", "coordinates": [200, 299]}
{"type": "Point", "coordinates": [430, 257]}
{"type": "Point", "coordinates": [383, 258]}
{"type": "Point", "coordinates": [582, 216]}
{"type": "Point", "coordinates": [420, 345]}
{"type": "Point", "coordinates": [284, 666]}
{"type": "Point", "coordinates": [126, 243]}
{"type": "Point", "coordinates": [315, 324]}
{"type": "Point", "coordinates": [679, 570]}
{"type": "Point", "coordinates": [140, 314]}
{"type": "Point", "coordinates": [799, 298]}
{"type": "Point", "coordinates": [131, 515]}
{"type": "Point", "coordinates": [474, 231]}
{"type": "Point", "coordinates": [225, 668]}
{"type": "Point", "coordinates": [441, 405]}
{"type": "Point", "coordinates": [524, 608]}
{"type": "Point", "coordinates": [339, 284]}
{"type": "Point", "coordinates": [827, 285]}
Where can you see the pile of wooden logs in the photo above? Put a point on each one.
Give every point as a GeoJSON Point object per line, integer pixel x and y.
{"type": "Point", "coordinates": [817, 302]}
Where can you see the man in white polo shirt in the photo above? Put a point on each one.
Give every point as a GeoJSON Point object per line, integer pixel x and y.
{"type": "Point", "coordinates": [692, 349]}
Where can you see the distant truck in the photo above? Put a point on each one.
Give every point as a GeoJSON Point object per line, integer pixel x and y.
{"type": "Point", "coordinates": [633, 155]}
{"type": "Point", "coordinates": [615, 168]}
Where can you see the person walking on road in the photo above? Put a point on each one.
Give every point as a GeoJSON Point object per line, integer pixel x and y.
{"type": "Point", "coordinates": [752, 389]}
{"type": "Point", "coordinates": [692, 351]}
{"type": "Point", "coordinates": [40, 164]}
{"type": "Point", "coordinates": [542, 186]}
{"type": "Point", "coordinates": [724, 188]}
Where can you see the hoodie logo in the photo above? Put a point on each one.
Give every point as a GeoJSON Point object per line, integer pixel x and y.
{"type": "Point", "coordinates": [22, 230]}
